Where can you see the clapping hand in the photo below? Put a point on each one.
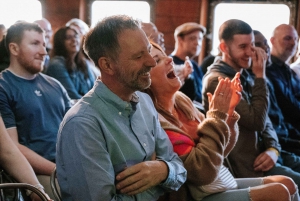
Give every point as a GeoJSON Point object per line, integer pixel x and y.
{"type": "Point", "coordinates": [184, 70]}
{"type": "Point", "coordinates": [188, 67]}
{"type": "Point", "coordinates": [222, 96]}
{"type": "Point", "coordinates": [236, 93]}
{"type": "Point", "coordinates": [227, 95]}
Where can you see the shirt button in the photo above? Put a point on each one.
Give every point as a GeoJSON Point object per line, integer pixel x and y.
{"type": "Point", "coordinates": [144, 144]}
{"type": "Point", "coordinates": [120, 113]}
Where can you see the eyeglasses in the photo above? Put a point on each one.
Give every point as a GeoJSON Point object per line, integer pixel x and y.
{"type": "Point", "coordinates": [70, 37]}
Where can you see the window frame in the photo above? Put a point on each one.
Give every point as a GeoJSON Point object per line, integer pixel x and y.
{"type": "Point", "coordinates": [292, 5]}
{"type": "Point", "coordinates": [150, 2]}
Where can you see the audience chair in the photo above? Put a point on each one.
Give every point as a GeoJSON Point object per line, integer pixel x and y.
{"type": "Point", "coordinates": [55, 191]}
{"type": "Point", "coordinates": [24, 186]}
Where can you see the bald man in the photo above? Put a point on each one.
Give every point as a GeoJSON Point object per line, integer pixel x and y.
{"type": "Point", "coordinates": [153, 34]}
{"type": "Point", "coordinates": [46, 26]}
{"type": "Point", "coordinates": [286, 83]}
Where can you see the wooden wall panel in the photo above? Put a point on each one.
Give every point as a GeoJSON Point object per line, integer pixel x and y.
{"type": "Point", "coordinates": [59, 12]}
{"type": "Point", "coordinates": [168, 15]}
{"type": "Point", "coordinates": [172, 13]}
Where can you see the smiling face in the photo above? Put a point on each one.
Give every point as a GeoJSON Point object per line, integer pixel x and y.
{"type": "Point", "coordinates": [191, 43]}
{"type": "Point", "coordinates": [72, 42]}
{"type": "Point", "coordinates": [284, 41]}
{"type": "Point", "coordinates": [134, 62]}
{"type": "Point", "coordinates": [163, 75]}
{"type": "Point", "coordinates": [32, 51]}
{"type": "Point", "coordinates": [238, 51]}
{"type": "Point", "coordinates": [261, 41]}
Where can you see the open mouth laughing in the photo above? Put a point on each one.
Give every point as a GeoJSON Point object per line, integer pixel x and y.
{"type": "Point", "coordinates": [171, 74]}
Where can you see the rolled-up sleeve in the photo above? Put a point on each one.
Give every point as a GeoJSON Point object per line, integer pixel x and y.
{"type": "Point", "coordinates": [177, 173]}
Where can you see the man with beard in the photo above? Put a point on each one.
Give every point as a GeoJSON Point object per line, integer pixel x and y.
{"type": "Point", "coordinates": [32, 104]}
{"type": "Point", "coordinates": [257, 149]}
{"type": "Point", "coordinates": [285, 81]}
{"type": "Point", "coordinates": [110, 144]}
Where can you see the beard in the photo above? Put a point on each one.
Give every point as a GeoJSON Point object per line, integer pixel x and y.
{"type": "Point", "coordinates": [133, 81]}
{"type": "Point", "coordinates": [29, 65]}
{"type": "Point", "coordinates": [238, 62]}
{"type": "Point", "coordinates": [290, 52]}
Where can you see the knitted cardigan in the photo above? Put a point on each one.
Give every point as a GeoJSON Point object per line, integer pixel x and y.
{"type": "Point", "coordinates": [218, 135]}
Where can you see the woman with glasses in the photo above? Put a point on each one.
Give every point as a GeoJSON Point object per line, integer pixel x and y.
{"type": "Point", "coordinates": [68, 64]}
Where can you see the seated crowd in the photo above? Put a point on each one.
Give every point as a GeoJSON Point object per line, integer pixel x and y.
{"type": "Point", "coordinates": [120, 119]}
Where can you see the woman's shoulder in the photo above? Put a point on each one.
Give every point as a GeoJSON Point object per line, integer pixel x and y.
{"type": "Point", "coordinates": [56, 63]}
{"type": "Point", "coordinates": [57, 59]}
{"type": "Point", "coordinates": [186, 104]}
{"type": "Point", "coordinates": [183, 101]}
{"type": "Point", "coordinates": [182, 97]}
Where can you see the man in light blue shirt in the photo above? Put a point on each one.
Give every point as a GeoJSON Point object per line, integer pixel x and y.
{"type": "Point", "coordinates": [110, 144]}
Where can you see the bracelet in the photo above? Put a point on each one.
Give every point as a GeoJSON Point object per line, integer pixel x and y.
{"type": "Point", "coordinates": [38, 186]}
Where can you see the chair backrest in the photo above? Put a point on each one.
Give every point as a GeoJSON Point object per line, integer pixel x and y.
{"type": "Point", "coordinates": [26, 187]}
{"type": "Point", "coordinates": [54, 188]}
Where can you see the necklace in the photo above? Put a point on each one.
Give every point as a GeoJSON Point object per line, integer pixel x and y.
{"type": "Point", "coordinates": [173, 112]}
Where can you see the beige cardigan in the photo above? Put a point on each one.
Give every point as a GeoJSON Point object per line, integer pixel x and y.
{"type": "Point", "coordinates": [205, 159]}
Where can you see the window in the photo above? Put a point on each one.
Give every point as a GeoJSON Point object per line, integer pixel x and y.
{"type": "Point", "coordinates": [14, 10]}
{"type": "Point", "coordinates": [137, 9]}
{"type": "Point", "coordinates": [261, 17]}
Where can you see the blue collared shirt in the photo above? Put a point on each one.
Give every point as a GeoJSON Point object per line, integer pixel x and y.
{"type": "Point", "coordinates": [101, 135]}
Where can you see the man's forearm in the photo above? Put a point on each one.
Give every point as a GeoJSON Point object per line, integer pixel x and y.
{"type": "Point", "coordinates": [39, 164]}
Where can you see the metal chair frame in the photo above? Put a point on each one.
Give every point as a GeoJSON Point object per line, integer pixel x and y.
{"type": "Point", "coordinates": [53, 186]}
{"type": "Point", "coordinates": [24, 186]}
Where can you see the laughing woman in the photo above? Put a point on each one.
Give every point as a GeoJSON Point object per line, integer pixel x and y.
{"type": "Point", "coordinates": [203, 143]}
{"type": "Point", "coordinates": [68, 64]}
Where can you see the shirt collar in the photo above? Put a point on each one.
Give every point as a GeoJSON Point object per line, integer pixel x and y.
{"type": "Point", "coordinates": [104, 93]}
